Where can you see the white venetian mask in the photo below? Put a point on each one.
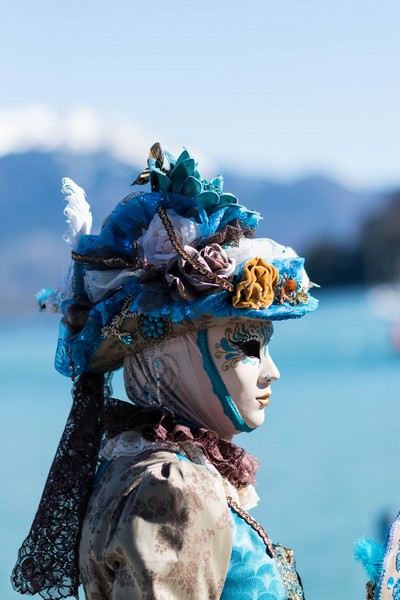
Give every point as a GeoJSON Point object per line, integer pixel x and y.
{"type": "Point", "coordinates": [240, 353]}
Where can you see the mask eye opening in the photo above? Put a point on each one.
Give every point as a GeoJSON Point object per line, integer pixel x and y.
{"type": "Point", "coordinates": [250, 347]}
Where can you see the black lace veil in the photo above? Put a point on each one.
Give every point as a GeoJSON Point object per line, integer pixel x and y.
{"type": "Point", "coordinates": [48, 558]}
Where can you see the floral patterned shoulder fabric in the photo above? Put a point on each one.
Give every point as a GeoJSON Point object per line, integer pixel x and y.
{"type": "Point", "coordinates": [179, 508]}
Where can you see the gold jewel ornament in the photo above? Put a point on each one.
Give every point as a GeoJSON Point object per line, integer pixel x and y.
{"type": "Point", "coordinates": [301, 297]}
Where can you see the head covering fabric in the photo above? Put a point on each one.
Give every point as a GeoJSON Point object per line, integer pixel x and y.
{"type": "Point", "coordinates": [172, 377]}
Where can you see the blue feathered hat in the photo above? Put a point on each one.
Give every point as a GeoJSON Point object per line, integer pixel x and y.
{"type": "Point", "coordinates": [177, 259]}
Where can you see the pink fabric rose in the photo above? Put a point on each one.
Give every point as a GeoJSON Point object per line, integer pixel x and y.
{"type": "Point", "coordinates": [190, 283]}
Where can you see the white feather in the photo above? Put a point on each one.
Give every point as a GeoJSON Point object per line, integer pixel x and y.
{"type": "Point", "coordinates": [77, 211]}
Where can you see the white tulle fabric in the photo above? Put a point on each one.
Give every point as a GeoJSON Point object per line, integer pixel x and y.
{"type": "Point", "coordinates": [265, 248]}
{"type": "Point", "coordinates": [99, 283]}
{"type": "Point", "coordinates": [171, 376]}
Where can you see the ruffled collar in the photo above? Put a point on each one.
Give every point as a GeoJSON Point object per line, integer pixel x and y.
{"type": "Point", "coordinates": [230, 460]}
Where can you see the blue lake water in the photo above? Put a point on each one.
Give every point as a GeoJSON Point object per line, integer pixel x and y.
{"type": "Point", "coordinates": [329, 447]}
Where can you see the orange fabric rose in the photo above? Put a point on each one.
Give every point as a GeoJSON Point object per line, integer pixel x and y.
{"type": "Point", "coordinates": [256, 288]}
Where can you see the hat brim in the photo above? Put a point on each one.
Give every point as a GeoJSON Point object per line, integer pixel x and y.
{"type": "Point", "coordinates": [113, 329]}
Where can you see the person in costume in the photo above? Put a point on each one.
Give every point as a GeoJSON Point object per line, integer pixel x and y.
{"type": "Point", "coordinates": [177, 291]}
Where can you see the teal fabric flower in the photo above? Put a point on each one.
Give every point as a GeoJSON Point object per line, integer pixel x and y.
{"type": "Point", "coordinates": [181, 176]}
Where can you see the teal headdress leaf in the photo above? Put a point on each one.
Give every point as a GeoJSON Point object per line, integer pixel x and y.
{"type": "Point", "coordinates": [192, 187]}
{"type": "Point", "coordinates": [180, 173]}
{"type": "Point", "coordinates": [183, 156]}
{"type": "Point", "coordinates": [227, 198]}
{"type": "Point", "coordinates": [181, 176]}
{"type": "Point", "coordinates": [218, 183]}
{"type": "Point", "coordinates": [208, 199]}
{"type": "Point", "coordinates": [170, 159]}
{"type": "Point", "coordinates": [159, 180]}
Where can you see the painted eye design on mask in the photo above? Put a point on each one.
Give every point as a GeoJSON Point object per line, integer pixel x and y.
{"type": "Point", "coordinates": [250, 346]}
{"type": "Point", "coordinates": [243, 340]}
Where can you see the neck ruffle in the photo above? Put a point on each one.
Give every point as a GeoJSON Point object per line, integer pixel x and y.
{"type": "Point", "coordinates": [230, 460]}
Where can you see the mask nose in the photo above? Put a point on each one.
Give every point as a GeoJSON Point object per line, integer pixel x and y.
{"type": "Point", "coordinates": [269, 372]}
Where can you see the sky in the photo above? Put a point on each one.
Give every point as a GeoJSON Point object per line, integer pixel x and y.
{"type": "Point", "coordinates": [284, 89]}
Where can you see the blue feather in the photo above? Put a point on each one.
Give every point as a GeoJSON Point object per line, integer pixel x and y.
{"type": "Point", "coordinates": [371, 554]}
{"type": "Point", "coordinates": [43, 294]}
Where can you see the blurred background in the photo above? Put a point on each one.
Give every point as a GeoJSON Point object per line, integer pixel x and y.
{"type": "Point", "coordinates": [296, 103]}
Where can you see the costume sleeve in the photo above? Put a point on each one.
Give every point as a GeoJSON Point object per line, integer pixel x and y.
{"type": "Point", "coordinates": [174, 536]}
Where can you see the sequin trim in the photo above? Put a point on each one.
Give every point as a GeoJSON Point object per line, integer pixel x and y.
{"type": "Point", "coordinates": [113, 329]}
{"type": "Point", "coordinates": [284, 558]}
{"type": "Point", "coordinates": [113, 262]}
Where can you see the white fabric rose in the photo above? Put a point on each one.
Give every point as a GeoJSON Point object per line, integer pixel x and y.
{"type": "Point", "coordinates": [155, 242]}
